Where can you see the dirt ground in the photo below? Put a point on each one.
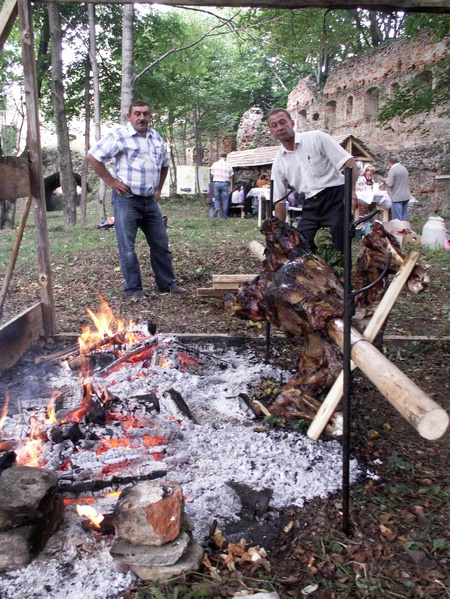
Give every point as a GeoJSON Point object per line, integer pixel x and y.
{"type": "Point", "coordinates": [399, 544]}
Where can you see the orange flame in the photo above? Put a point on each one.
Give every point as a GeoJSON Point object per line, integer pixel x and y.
{"type": "Point", "coordinates": [4, 411]}
{"type": "Point", "coordinates": [29, 454]}
{"type": "Point", "coordinates": [107, 326]}
{"type": "Point", "coordinates": [91, 513]}
{"type": "Point", "coordinates": [51, 418]}
{"type": "Point", "coordinates": [127, 443]}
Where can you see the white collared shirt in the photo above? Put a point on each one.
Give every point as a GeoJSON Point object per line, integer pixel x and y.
{"type": "Point", "coordinates": [313, 165]}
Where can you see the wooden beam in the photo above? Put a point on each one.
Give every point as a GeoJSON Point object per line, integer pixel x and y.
{"type": "Point", "coordinates": [8, 16]}
{"type": "Point", "coordinates": [36, 168]}
{"type": "Point", "coordinates": [430, 6]}
{"type": "Point", "coordinates": [17, 335]}
{"type": "Point", "coordinates": [233, 278]}
{"type": "Point", "coordinates": [331, 401]}
{"type": "Point", "coordinates": [15, 178]}
{"type": "Point", "coordinates": [423, 413]}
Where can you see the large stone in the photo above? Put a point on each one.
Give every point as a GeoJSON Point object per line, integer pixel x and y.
{"type": "Point", "coordinates": [18, 546]}
{"type": "Point", "coordinates": [189, 562]}
{"type": "Point", "coordinates": [149, 513]}
{"type": "Point", "coordinates": [26, 495]}
{"type": "Point", "coordinates": [150, 555]}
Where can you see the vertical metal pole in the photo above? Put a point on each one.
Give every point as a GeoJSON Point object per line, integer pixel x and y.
{"type": "Point", "coordinates": [348, 313]}
{"type": "Point", "coordinates": [267, 358]}
{"type": "Point", "coordinates": [271, 199]}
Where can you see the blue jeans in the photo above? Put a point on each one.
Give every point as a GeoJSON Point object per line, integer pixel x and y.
{"type": "Point", "coordinates": [399, 210]}
{"type": "Point", "coordinates": [131, 214]}
{"type": "Point", "coordinates": [221, 194]}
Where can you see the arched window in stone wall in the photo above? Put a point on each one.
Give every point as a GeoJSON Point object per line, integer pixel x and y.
{"type": "Point", "coordinates": [349, 106]}
{"type": "Point", "coordinates": [371, 99]}
{"type": "Point", "coordinates": [302, 120]}
{"type": "Point", "coordinates": [425, 81]}
{"type": "Point", "coordinates": [330, 115]}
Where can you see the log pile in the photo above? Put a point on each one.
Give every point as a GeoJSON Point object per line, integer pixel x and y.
{"type": "Point", "coordinates": [300, 294]}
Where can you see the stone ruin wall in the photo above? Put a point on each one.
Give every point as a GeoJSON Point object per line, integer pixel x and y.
{"type": "Point", "coordinates": [349, 103]}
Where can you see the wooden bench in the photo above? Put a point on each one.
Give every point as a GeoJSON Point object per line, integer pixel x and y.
{"type": "Point", "coordinates": [236, 209]}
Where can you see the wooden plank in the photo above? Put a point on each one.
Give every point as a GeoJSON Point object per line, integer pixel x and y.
{"type": "Point", "coordinates": [17, 335]}
{"type": "Point", "coordinates": [431, 6]}
{"type": "Point", "coordinates": [14, 177]}
{"type": "Point", "coordinates": [8, 15]}
{"type": "Point", "coordinates": [234, 286]}
{"type": "Point", "coordinates": [233, 278]}
{"type": "Point", "coordinates": [36, 167]}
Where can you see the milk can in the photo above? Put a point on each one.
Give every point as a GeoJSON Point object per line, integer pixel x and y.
{"type": "Point", "coordinates": [433, 233]}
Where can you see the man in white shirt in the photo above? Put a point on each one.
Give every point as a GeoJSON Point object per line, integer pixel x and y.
{"type": "Point", "coordinates": [311, 162]}
{"type": "Point", "coordinates": [221, 173]}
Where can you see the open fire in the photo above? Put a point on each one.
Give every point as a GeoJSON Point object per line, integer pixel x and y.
{"type": "Point", "coordinates": [129, 406]}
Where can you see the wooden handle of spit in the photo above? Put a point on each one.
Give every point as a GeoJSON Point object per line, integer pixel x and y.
{"type": "Point", "coordinates": [425, 415]}
{"type": "Point", "coordinates": [331, 402]}
{"type": "Point", "coordinates": [257, 249]}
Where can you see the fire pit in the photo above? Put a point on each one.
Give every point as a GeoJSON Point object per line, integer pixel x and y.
{"type": "Point", "coordinates": [158, 408]}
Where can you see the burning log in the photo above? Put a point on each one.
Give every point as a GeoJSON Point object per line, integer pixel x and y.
{"type": "Point", "coordinates": [300, 293]}
{"type": "Point", "coordinates": [91, 486]}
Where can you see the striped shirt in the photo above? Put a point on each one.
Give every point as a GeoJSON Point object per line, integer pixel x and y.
{"type": "Point", "coordinates": [137, 160]}
{"type": "Point", "coordinates": [221, 171]}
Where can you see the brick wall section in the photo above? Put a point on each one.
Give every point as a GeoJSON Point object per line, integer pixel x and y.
{"type": "Point", "coordinates": [349, 102]}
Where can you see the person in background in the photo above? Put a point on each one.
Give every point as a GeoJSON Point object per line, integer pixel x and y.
{"type": "Point", "coordinates": [368, 175]}
{"type": "Point", "coordinates": [311, 161]}
{"type": "Point", "coordinates": [221, 173]}
{"type": "Point", "coordinates": [141, 164]}
{"type": "Point", "coordinates": [248, 199]}
{"type": "Point", "coordinates": [398, 184]}
{"type": "Point", "coordinates": [234, 197]}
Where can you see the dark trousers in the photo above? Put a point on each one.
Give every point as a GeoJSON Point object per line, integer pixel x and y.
{"type": "Point", "coordinates": [326, 209]}
{"type": "Point", "coordinates": [131, 214]}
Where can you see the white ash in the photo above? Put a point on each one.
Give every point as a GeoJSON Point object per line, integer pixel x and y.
{"type": "Point", "coordinates": [224, 443]}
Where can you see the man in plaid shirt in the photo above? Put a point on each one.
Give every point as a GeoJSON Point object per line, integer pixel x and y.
{"type": "Point", "coordinates": [141, 164]}
{"type": "Point", "coordinates": [221, 173]}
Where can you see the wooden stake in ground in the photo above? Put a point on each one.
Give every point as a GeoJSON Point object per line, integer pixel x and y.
{"type": "Point", "coordinates": [425, 415]}
{"type": "Point", "coordinates": [334, 396]}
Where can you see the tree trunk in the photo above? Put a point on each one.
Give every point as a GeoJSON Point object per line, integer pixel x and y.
{"type": "Point", "coordinates": [7, 214]}
{"type": "Point", "coordinates": [87, 124]}
{"type": "Point", "coordinates": [67, 179]}
{"type": "Point", "coordinates": [101, 194]}
{"type": "Point", "coordinates": [128, 75]}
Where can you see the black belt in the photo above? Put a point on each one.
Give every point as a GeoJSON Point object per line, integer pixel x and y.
{"type": "Point", "coordinates": [323, 192]}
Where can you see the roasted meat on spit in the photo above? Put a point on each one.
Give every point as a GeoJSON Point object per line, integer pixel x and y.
{"type": "Point", "coordinates": [300, 294]}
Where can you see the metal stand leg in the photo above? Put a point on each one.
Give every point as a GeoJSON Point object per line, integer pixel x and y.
{"type": "Point", "coordinates": [348, 313]}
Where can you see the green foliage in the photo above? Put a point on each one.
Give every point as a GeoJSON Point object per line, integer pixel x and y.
{"type": "Point", "coordinates": [396, 463]}
{"type": "Point", "coordinates": [326, 251]}
{"type": "Point", "coordinates": [422, 94]}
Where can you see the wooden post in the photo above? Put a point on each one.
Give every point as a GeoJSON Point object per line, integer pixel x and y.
{"type": "Point", "coordinates": [424, 414]}
{"type": "Point", "coordinates": [36, 167]}
{"type": "Point", "coordinates": [331, 402]}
